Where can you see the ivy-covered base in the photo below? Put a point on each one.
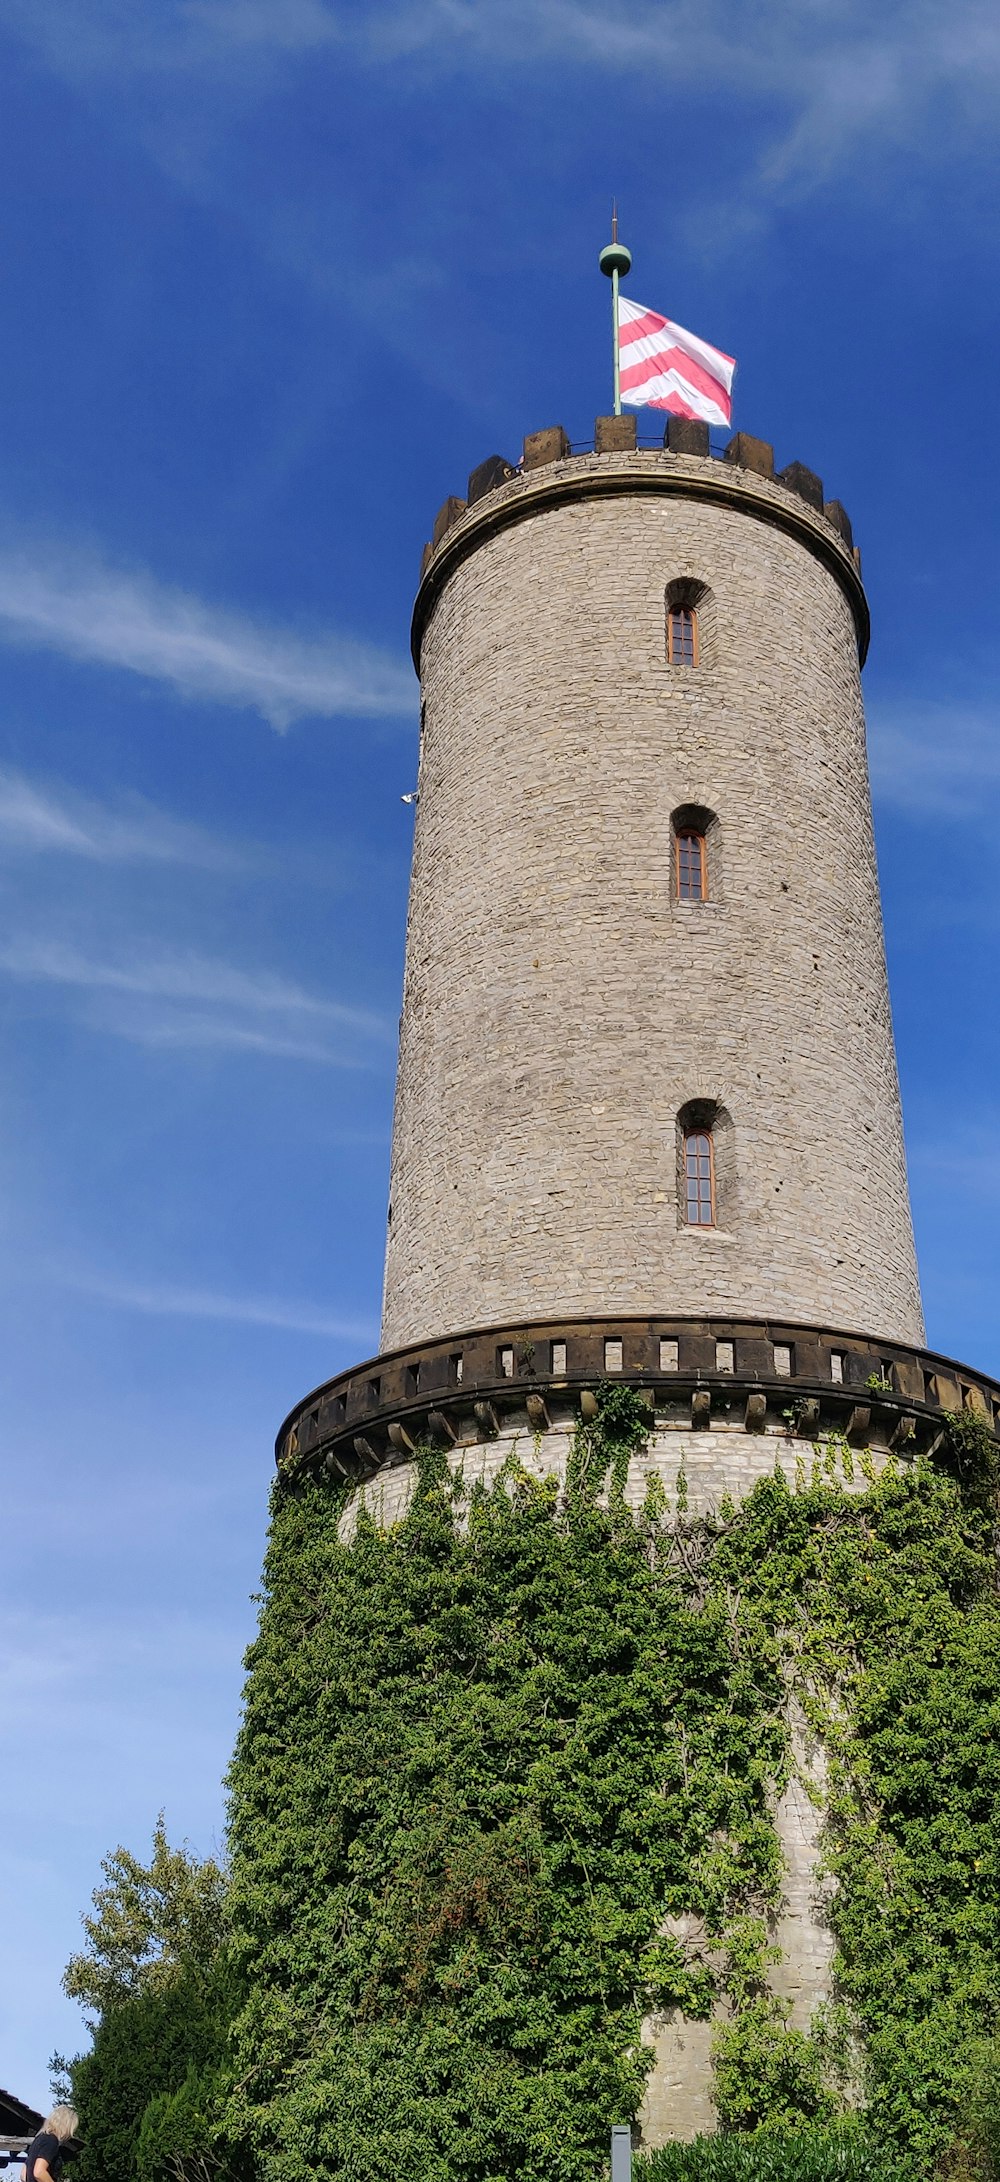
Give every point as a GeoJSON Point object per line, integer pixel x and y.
{"type": "Point", "coordinates": [489, 1753]}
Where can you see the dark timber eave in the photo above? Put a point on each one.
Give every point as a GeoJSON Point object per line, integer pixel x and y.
{"type": "Point", "coordinates": [458, 1390]}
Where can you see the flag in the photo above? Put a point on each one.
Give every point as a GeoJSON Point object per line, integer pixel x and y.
{"type": "Point", "coordinates": [665, 368]}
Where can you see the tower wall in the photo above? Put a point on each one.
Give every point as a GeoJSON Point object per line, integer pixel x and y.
{"type": "Point", "coordinates": [561, 1007]}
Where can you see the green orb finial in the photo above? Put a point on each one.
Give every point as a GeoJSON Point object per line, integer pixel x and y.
{"type": "Point", "coordinates": [614, 257]}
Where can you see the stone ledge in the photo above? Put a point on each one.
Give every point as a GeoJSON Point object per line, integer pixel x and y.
{"type": "Point", "coordinates": [695, 1373]}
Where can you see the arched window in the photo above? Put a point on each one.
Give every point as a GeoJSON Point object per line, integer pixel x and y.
{"type": "Point", "coordinates": [691, 864]}
{"type": "Point", "coordinates": [695, 848]}
{"type": "Point", "coordinates": [699, 1178]}
{"type": "Point", "coordinates": [689, 609]}
{"type": "Point", "coordinates": [682, 636]}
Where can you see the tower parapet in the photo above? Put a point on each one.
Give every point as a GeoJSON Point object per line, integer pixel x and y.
{"type": "Point", "coordinates": [618, 435]}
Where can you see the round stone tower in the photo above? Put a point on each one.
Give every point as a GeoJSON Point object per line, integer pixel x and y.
{"type": "Point", "coordinates": [572, 1004]}
{"type": "Point", "coordinates": [647, 1116]}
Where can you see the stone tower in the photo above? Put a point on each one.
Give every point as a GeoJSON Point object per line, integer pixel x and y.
{"type": "Point", "coordinates": [647, 1114]}
{"type": "Point", "coordinates": [564, 1009]}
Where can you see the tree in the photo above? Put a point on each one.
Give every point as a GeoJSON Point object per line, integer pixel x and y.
{"type": "Point", "coordinates": [156, 1979]}
{"type": "Point", "coordinates": [150, 1920]}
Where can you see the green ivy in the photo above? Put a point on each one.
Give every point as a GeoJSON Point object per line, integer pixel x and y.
{"type": "Point", "coordinates": [490, 1752]}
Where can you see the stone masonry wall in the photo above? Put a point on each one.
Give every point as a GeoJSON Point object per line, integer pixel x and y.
{"type": "Point", "coordinates": [726, 1461]}
{"type": "Point", "coordinates": [560, 1007]}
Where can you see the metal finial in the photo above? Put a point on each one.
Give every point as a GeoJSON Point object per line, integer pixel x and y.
{"type": "Point", "coordinates": [614, 260]}
{"type": "Point", "coordinates": [615, 257]}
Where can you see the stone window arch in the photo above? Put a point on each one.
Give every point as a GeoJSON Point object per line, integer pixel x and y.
{"type": "Point", "coordinates": [689, 623]}
{"type": "Point", "coordinates": [706, 1166]}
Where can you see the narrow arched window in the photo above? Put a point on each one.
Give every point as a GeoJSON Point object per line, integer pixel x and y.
{"type": "Point", "coordinates": [692, 865]}
{"type": "Point", "coordinates": [699, 1178]}
{"type": "Point", "coordinates": [682, 636]}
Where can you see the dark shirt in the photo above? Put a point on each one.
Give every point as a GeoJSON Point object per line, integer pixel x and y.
{"type": "Point", "coordinates": [45, 2146]}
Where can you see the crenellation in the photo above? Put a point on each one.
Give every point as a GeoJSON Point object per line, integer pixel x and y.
{"type": "Point", "coordinates": [683, 437]}
{"type": "Point", "coordinates": [549, 445]}
{"type": "Point", "coordinates": [837, 516]}
{"type": "Point", "coordinates": [615, 435]}
{"type": "Point", "coordinates": [750, 454]}
{"type": "Point", "coordinates": [687, 436]}
{"type": "Point", "coordinates": [447, 515]}
{"type": "Point", "coordinates": [803, 481]}
{"type": "Point", "coordinates": [488, 476]}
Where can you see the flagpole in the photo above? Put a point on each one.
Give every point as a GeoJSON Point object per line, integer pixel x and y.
{"type": "Point", "coordinates": [615, 259]}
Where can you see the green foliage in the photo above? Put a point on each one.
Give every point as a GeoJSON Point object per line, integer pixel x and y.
{"type": "Point", "coordinates": [490, 1755]}
{"type": "Point", "coordinates": [179, 2137]}
{"type": "Point", "coordinates": [972, 1455]}
{"type": "Point", "coordinates": [905, 1692]}
{"type": "Point", "coordinates": [148, 1920]}
{"type": "Point", "coordinates": [982, 2135]}
{"type": "Point", "coordinates": [846, 2152]}
{"type": "Point", "coordinates": [768, 2076]}
{"type": "Point", "coordinates": [145, 2053]}
{"type": "Point", "coordinates": [485, 1756]}
{"type": "Point", "coordinates": [157, 1974]}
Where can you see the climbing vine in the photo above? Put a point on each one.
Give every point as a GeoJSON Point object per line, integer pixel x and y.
{"type": "Point", "coordinates": [506, 1783]}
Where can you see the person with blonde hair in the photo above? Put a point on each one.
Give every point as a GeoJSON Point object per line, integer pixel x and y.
{"type": "Point", "coordinates": [44, 2158]}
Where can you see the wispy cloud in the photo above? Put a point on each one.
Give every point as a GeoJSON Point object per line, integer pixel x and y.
{"type": "Point", "coordinates": [936, 759]}
{"type": "Point", "coordinates": [94, 37]}
{"type": "Point", "coordinates": [166, 1301]}
{"type": "Point", "coordinates": [183, 977]}
{"type": "Point", "coordinates": [43, 818]}
{"type": "Point", "coordinates": [835, 73]}
{"type": "Point", "coordinates": [106, 617]}
{"type": "Point", "coordinates": [188, 1000]}
{"type": "Point", "coordinates": [838, 71]}
{"type": "Point", "coordinates": [284, 26]}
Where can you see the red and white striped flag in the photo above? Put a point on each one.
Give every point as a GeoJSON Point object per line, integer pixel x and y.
{"type": "Point", "coordinates": [663, 367]}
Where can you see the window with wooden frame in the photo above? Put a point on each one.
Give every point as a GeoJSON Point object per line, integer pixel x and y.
{"type": "Point", "coordinates": [690, 864]}
{"type": "Point", "coordinates": [682, 636]}
{"type": "Point", "coordinates": [699, 1178]}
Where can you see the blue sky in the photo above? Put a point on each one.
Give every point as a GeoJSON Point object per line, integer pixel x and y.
{"type": "Point", "coordinates": [274, 274]}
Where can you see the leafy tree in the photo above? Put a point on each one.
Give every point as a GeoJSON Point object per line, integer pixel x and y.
{"type": "Point", "coordinates": [157, 1980]}
{"type": "Point", "coordinates": [178, 2136]}
{"type": "Point", "coordinates": [149, 1921]}
{"type": "Point", "coordinates": [144, 2054]}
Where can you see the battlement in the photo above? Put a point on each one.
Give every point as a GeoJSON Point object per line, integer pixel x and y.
{"type": "Point", "coordinates": [552, 468]}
